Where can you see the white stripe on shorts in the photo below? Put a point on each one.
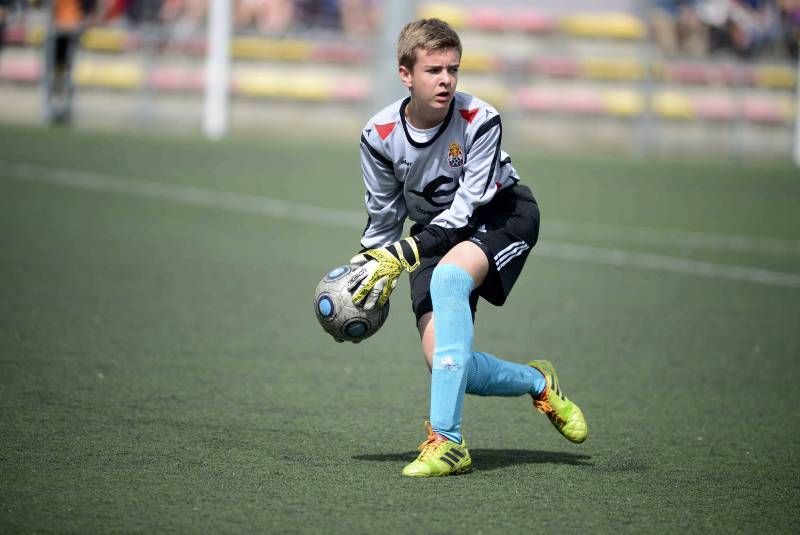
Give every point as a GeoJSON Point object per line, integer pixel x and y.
{"type": "Point", "coordinates": [509, 253]}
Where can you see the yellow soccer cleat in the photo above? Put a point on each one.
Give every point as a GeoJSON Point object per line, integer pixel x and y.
{"type": "Point", "coordinates": [439, 457]}
{"type": "Point", "coordinates": [565, 415]}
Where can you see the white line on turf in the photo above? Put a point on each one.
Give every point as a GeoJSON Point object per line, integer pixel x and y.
{"type": "Point", "coordinates": [188, 195]}
{"type": "Point", "coordinates": [616, 257]}
{"type": "Point", "coordinates": [677, 238]}
{"type": "Point", "coordinates": [347, 218]}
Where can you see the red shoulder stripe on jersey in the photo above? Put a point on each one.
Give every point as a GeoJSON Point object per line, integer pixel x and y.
{"type": "Point", "coordinates": [385, 129]}
{"type": "Point", "coordinates": [468, 115]}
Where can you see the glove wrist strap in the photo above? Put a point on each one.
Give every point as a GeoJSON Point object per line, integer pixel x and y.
{"type": "Point", "coordinates": [406, 252]}
{"type": "Point", "coordinates": [410, 256]}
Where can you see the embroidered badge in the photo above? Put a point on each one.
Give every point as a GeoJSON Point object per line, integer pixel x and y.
{"type": "Point", "coordinates": [455, 158]}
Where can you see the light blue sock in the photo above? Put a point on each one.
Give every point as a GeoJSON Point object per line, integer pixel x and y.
{"type": "Point", "coordinates": [487, 375]}
{"type": "Point", "coordinates": [453, 330]}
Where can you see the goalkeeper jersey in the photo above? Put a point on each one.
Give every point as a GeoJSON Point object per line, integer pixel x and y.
{"type": "Point", "coordinates": [437, 177]}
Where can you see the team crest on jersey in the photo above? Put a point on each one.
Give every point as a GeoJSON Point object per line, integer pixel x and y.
{"type": "Point", "coordinates": [455, 158]}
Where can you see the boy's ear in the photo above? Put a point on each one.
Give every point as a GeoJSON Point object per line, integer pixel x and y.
{"type": "Point", "coordinates": [405, 76]}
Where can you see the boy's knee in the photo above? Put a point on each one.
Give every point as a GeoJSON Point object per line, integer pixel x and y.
{"type": "Point", "coordinates": [450, 280]}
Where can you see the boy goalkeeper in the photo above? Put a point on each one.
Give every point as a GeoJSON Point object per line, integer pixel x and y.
{"type": "Point", "coordinates": [435, 158]}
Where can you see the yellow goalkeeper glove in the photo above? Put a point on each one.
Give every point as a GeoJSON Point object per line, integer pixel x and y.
{"type": "Point", "coordinates": [372, 283]}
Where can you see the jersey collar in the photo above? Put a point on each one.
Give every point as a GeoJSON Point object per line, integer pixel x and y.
{"type": "Point", "coordinates": [442, 128]}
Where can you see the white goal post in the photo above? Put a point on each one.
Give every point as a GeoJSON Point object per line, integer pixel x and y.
{"type": "Point", "coordinates": [797, 114]}
{"type": "Point", "coordinates": [218, 58]}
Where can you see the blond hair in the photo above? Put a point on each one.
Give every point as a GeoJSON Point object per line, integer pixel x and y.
{"type": "Point", "coordinates": [427, 34]}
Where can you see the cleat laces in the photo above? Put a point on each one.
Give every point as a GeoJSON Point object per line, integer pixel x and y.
{"type": "Point", "coordinates": [433, 441]}
{"type": "Point", "coordinates": [543, 405]}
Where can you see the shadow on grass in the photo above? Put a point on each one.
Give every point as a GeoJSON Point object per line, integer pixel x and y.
{"type": "Point", "coordinates": [490, 459]}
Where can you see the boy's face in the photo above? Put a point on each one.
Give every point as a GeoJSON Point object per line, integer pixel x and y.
{"type": "Point", "coordinates": [434, 77]}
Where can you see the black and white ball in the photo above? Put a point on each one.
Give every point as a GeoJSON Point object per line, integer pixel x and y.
{"type": "Point", "coordinates": [337, 314]}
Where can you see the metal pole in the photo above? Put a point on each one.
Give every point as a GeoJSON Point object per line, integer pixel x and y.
{"type": "Point", "coordinates": [386, 85]}
{"type": "Point", "coordinates": [797, 115]}
{"type": "Point", "coordinates": [644, 128]}
{"type": "Point", "coordinates": [48, 69]}
{"type": "Point", "coordinates": [215, 118]}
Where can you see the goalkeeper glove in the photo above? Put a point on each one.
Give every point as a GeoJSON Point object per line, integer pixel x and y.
{"type": "Point", "coordinates": [372, 283]}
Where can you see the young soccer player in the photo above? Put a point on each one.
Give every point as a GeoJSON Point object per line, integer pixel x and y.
{"type": "Point", "coordinates": [435, 157]}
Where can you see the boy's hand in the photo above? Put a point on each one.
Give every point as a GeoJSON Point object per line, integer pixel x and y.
{"type": "Point", "coordinates": [372, 283]}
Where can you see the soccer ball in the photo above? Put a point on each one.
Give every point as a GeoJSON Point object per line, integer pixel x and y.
{"type": "Point", "coordinates": [337, 314]}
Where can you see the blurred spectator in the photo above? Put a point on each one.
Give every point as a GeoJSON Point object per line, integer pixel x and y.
{"type": "Point", "coordinates": [353, 17]}
{"type": "Point", "coordinates": [318, 14]}
{"type": "Point", "coordinates": [184, 18]}
{"type": "Point", "coordinates": [677, 28]}
{"type": "Point", "coordinates": [790, 25]}
{"type": "Point", "coordinates": [5, 8]}
{"type": "Point", "coordinates": [755, 26]}
{"type": "Point", "coordinates": [269, 16]}
{"type": "Point", "coordinates": [110, 10]}
{"type": "Point", "coordinates": [9, 9]}
{"type": "Point", "coordinates": [744, 27]}
{"type": "Point", "coordinates": [360, 18]}
{"type": "Point", "coordinates": [171, 10]}
{"type": "Point", "coordinates": [146, 11]}
{"type": "Point", "coordinates": [70, 18]}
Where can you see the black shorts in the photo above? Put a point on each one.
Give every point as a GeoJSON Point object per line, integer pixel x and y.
{"type": "Point", "coordinates": [66, 44]}
{"type": "Point", "coordinates": [507, 230]}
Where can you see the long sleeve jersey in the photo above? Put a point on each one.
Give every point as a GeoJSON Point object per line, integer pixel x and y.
{"type": "Point", "coordinates": [439, 182]}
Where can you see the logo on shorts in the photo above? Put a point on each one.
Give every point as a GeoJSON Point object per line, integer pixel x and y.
{"type": "Point", "coordinates": [455, 158]}
{"type": "Point", "coordinates": [510, 253]}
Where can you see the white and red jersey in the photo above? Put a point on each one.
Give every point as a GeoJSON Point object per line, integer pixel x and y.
{"type": "Point", "coordinates": [436, 177]}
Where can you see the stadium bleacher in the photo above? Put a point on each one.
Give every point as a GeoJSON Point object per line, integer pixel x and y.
{"type": "Point", "coordinates": [529, 59]}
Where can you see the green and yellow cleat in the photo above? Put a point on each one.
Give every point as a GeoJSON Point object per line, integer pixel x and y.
{"type": "Point", "coordinates": [439, 457]}
{"type": "Point", "coordinates": [563, 414]}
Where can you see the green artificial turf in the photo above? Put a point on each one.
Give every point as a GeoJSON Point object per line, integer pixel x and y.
{"type": "Point", "coordinates": [161, 368]}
